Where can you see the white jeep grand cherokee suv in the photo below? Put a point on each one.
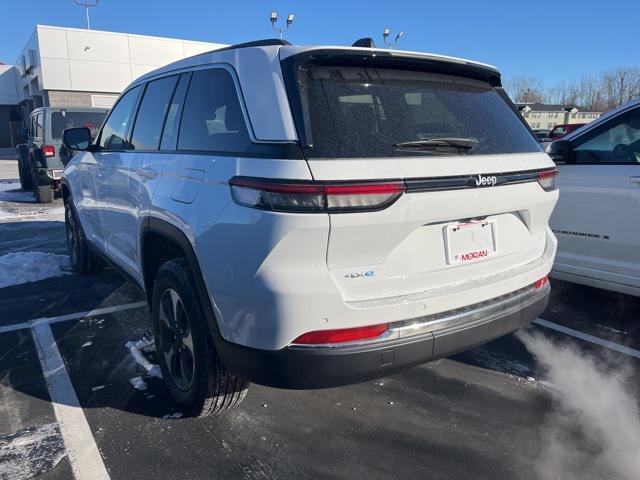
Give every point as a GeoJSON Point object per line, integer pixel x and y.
{"type": "Point", "coordinates": [309, 217]}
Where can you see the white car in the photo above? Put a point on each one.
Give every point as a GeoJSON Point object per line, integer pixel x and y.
{"type": "Point", "coordinates": [308, 217]}
{"type": "Point", "coordinates": [597, 220]}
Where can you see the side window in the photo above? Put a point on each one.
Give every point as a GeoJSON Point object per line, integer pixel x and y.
{"type": "Point", "coordinates": [32, 126]}
{"type": "Point", "coordinates": [212, 119]}
{"type": "Point", "coordinates": [114, 131]}
{"type": "Point", "coordinates": [39, 126]}
{"type": "Point", "coordinates": [153, 109]}
{"type": "Point", "coordinates": [172, 123]}
{"type": "Point", "coordinates": [616, 142]}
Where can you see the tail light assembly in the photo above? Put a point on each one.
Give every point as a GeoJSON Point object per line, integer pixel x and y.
{"type": "Point", "coordinates": [547, 179]}
{"type": "Point", "coordinates": [538, 284]}
{"type": "Point", "coordinates": [327, 337]}
{"type": "Point", "coordinates": [48, 150]}
{"type": "Point", "coordinates": [315, 197]}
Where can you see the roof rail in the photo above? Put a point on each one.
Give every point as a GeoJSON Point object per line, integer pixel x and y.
{"type": "Point", "coordinates": [366, 42]}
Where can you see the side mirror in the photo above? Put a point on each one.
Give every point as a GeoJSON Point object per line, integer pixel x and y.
{"type": "Point", "coordinates": [78, 138]}
{"type": "Point", "coordinates": [559, 151]}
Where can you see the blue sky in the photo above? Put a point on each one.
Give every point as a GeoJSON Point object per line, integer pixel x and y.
{"type": "Point", "coordinates": [551, 40]}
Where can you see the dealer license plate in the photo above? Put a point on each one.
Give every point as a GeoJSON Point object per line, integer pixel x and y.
{"type": "Point", "coordinates": [470, 242]}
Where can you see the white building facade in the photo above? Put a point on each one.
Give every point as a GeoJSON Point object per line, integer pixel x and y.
{"type": "Point", "coordinates": [541, 116]}
{"type": "Point", "coordinates": [83, 68]}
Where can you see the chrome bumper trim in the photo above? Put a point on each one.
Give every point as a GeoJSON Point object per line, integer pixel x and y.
{"type": "Point", "coordinates": [467, 316]}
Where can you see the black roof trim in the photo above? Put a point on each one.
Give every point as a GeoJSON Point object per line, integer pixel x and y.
{"type": "Point", "coordinates": [256, 43]}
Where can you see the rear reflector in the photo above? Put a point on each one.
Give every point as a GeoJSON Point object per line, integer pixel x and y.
{"type": "Point", "coordinates": [547, 179]}
{"type": "Point", "coordinates": [313, 197]}
{"type": "Point", "coordinates": [49, 150]}
{"type": "Point", "coordinates": [323, 337]}
{"type": "Point", "coordinates": [540, 283]}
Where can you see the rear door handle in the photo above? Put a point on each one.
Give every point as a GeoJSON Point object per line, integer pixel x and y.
{"type": "Point", "coordinates": [634, 179]}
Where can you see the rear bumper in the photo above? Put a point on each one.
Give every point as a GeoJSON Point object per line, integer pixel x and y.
{"type": "Point", "coordinates": [405, 345]}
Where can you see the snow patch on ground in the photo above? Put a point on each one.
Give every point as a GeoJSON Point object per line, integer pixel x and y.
{"type": "Point", "coordinates": [174, 415]}
{"type": "Point", "coordinates": [30, 452]}
{"type": "Point", "coordinates": [11, 191]}
{"type": "Point", "coordinates": [18, 214]}
{"type": "Point", "coordinates": [23, 267]}
{"type": "Point", "coordinates": [138, 383]}
{"type": "Point", "coordinates": [612, 330]}
{"type": "Point", "coordinates": [135, 348]}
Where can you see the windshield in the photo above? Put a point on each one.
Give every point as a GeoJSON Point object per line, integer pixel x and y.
{"type": "Point", "coordinates": [367, 112]}
{"type": "Point", "coordinates": [68, 119]}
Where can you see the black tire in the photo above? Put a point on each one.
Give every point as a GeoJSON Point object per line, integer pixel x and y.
{"type": "Point", "coordinates": [26, 182]}
{"type": "Point", "coordinates": [196, 379]}
{"type": "Point", "coordinates": [43, 193]}
{"type": "Point", "coordinates": [82, 259]}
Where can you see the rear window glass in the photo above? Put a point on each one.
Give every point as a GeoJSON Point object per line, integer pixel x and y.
{"type": "Point", "coordinates": [363, 112]}
{"type": "Point", "coordinates": [212, 119]}
{"type": "Point", "coordinates": [68, 119]}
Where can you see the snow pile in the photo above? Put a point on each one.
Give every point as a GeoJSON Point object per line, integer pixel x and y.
{"type": "Point", "coordinates": [21, 214]}
{"type": "Point", "coordinates": [11, 191]}
{"type": "Point", "coordinates": [23, 267]}
{"type": "Point", "coordinates": [595, 432]}
{"type": "Point", "coordinates": [30, 452]}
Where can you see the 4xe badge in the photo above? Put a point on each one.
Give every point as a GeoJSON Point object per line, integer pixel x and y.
{"type": "Point", "coordinates": [369, 273]}
{"type": "Point", "coordinates": [486, 180]}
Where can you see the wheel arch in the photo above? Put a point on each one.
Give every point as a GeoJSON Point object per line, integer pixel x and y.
{"type": "Point", "coordinates": [161, 241]}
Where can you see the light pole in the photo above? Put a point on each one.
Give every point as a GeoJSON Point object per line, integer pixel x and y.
{"type": "Point", "coordinates": [385, 37]}
{"type": "Point", "coordinates": [87, 4]}
{"type": "Point", "coordinates": [274, 20]}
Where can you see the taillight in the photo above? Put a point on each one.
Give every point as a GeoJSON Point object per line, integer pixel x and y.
{"type": "Point", "coordinates": [547, 179]}
{"type": "Point", "coordinates": [49, 150]}
{"type": "Point", "coordinates": [302, 196]}
{"type": "Point", "coordinates": [538, 284]}
{"type": "Point", "coordinates": [323, 337]}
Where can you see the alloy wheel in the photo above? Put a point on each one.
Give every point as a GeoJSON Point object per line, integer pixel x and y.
{"type": "Point", "coordinates": [72, 240]}
{"type": "Point", "coordinates": [177, 340]}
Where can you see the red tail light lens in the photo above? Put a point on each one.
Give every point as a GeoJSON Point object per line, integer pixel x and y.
{"type": "Point", "coordinates": [49, 150]}
{"type": "Point", "coordinates": [323, 337]}
{"type": "Point", "coordinates": [285, 196]}
{"type": "Point", "coordinates": [538, 284]}
{"type": "Point", "coordinates": [547, 179]}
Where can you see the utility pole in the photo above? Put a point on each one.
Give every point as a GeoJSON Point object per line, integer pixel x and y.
{"type": "Point", "coordinates": [86, 5]}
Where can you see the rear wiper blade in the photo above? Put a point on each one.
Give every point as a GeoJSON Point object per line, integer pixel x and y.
{"type": "Point", "coordinates": [435, 143]}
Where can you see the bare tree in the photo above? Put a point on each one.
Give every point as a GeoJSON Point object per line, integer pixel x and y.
{"type": "Point", "coordinates": [620, 85]}
{"type": "Point", "coordinates": [558, 93]}
{"type": "Point", "coordinates": [525, 89]}
{"type": "Point", "coordinates": [597, 93]}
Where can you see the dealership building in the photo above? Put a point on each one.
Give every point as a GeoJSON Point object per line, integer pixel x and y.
{"type": "Point", "coordinates": [70, 67]}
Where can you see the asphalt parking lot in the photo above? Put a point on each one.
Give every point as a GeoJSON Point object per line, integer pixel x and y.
{"type": "Point", "coordinates": [560, 402]}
